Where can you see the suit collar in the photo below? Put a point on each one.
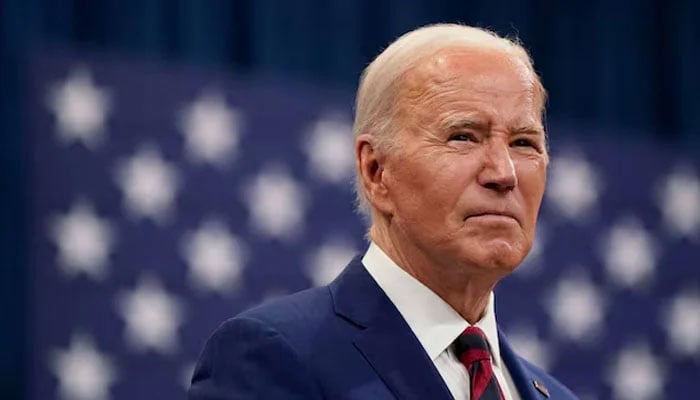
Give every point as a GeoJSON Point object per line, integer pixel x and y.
{"type": "Point", "coordinates": [384, 338]}
{"type": "Point", "coordinates": [390, 347]}
{"type": "Point", "coordinates": [434, 322]}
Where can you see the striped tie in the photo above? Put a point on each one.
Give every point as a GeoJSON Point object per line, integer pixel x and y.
{"type": "Point", "coordinates": [473, 351]}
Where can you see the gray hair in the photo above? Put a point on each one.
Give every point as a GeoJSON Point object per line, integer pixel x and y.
{"type": "Point", "coordinates": [378, 91]}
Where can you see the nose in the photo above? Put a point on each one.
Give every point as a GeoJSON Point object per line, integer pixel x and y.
{"type": "Point", "coordinates": [497, 171]}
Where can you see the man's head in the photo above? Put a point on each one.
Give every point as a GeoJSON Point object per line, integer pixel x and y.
{"type": "Point", "coordinates": [451, 149]}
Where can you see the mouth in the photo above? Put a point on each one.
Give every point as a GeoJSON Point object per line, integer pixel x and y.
{"type": "Point", "coordinates": [492, 216]}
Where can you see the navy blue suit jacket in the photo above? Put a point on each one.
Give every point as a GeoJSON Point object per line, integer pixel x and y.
{"type": "Point", "coordinates": [341, 341]}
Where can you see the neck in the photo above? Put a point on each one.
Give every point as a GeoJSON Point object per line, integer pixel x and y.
{"type": "Point", "coordinates": [462, 287]}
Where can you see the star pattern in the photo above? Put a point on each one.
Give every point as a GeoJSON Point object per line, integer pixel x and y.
{"type": "Point", "coordinates": [148, 184]}
{"type": "Point", "coordinates": [528, 345]}
{"type": "Point", "coordinates": [83, 240]}
{"type": "Point", "coordinates": [682, 322]}
{"type": "Point", "coordinates": [276, 204]}
{"type": "Point", "coordinates": [83, 372]}
{"type": "Point", "coordinates": [573, 186]}
{"type": "Point", "coordinates": [152, 317]}
{"type": "Point", "coordinates": [679, 200]}
{"type": "Point", "coordinates": [211, 201]}
{"type": "Point", "coordinates": [636, 374]}
{"type": "Point", "coordinates": [80, 109]}
{"type": "Point", "coordinates": [328, 147]}
{"type": "Point", "coordinates": [576, 308]}
{"type": "Point", "coordinates": [629, 252]}
{"type": "Point", "coordinates": [327, 260]}
{"type": "Point", "coordinates": [215, 257]}
{"type": "Point", "coordinates": [211, 130]}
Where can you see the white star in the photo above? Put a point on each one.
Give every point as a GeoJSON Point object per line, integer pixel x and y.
{"type": "Point", "coordinates": [148, 183]}
{"type": "Point", "coordinates": [679, 198]}
{"type": "Point", "coordinates": [83, 373]}
{"type": "Point", "coordinates": [215, 257]}
{"type": "Point", "coordinates": [576, 308]}
{"type": "Point", "coordinates": [276, 204]}
{"type": "Point", "coordinates": [573, 186]}
{"type": "Point", "coordinates": [84, 241]}
{"type": "Point", "coordinates": [329, 149]}
{"type": "Point", "coordinates": [327, 260]}
{"type": "Point", "coordinates": [529, 346]}
{"type": "Point", "coordinates": [152, 317]}
{"type": "Point", "coordinates": [80, 109]}
{"type": "Point", "coordinates": [211, 130]}
{"type": "Point", "coordinates": [636, 374]}
{"type": "Point", "coordinates": [630, 253]}
{"type": "Point", "coordinates": [682, 322]}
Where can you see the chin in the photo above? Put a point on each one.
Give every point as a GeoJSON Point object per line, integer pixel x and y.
{"type": "Point", "coordinates": [499, 256]}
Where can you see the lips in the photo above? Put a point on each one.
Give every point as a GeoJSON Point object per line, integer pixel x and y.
{"type": "Point", "coordinates": [492, 213]}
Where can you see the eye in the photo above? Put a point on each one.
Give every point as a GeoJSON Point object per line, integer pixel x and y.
{"type": "Point", "coordinates": [461, 137]}
{"type": "Point", "coordinates": [524, 143]}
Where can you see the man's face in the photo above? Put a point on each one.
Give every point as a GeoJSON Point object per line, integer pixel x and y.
{"type": "Point", "coordinates": [466, 182]}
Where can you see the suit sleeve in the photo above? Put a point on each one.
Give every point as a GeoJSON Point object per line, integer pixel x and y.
{"type": "Point", "coordinates": [246, 359]}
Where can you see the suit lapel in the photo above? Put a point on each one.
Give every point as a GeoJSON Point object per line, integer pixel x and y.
{"type": "Point", "coordinates": [524, 379]}
{"type": "Point", "coordinates": [402, 364]}
{"type": "Point", "coordinates": [384, 338]}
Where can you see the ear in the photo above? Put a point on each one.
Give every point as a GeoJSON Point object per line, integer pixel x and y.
{"type": "Point", "coordinates": [370, 167]}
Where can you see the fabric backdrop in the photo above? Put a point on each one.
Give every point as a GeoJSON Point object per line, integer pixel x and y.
{"type": "Point", "coordinates": [628, 69]}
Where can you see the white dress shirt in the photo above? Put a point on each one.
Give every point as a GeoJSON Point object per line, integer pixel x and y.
{"type": "Point", "coordinates": [436, 324]}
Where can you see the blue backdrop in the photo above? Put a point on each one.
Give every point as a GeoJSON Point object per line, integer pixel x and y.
{"type": "Point", "coordinates": [611, 69]}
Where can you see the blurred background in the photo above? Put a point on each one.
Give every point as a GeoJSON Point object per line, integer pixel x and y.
{"type": "Point", "coordinates": [167, 164]}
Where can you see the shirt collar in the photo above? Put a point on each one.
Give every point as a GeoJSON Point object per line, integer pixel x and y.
{"type": "Point", "coordinates": [432, 320]}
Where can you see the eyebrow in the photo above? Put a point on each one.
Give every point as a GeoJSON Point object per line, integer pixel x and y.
{"type": "Point", "coordinates": [465, 123]}
{"type": "Point", "coordinates": [529, 130]}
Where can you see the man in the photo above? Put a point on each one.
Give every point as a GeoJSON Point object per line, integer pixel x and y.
{"type": "Point", "coordinates": [451, 167]}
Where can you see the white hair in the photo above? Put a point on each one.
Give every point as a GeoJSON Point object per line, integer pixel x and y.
{"type": "Point", "coordinates": [378, 91]}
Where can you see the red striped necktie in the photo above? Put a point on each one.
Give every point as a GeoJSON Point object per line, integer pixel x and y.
{"type": "Point", "coordinates": [473, 351]}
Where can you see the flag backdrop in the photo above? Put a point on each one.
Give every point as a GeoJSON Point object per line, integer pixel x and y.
{"type": "Point", "coordinates": [165, 200]}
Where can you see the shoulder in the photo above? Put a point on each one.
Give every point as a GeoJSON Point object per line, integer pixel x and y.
{"type": "Point", "coordinates": [260, 352]}
{"type": "Point", "coordinates": [287, 312]}
{"type": "Point", "coordinates": [292, 318]}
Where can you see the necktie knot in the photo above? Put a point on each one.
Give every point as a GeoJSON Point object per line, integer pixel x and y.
{"type": "Point", "coordinates": [472, 346]}
{"type": "Point", "coordinates": [472, 350]}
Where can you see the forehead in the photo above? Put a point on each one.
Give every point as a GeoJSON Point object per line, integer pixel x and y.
{"type": "Point", "coordinates": [474, 62]}
{"type": "Point", "coordinates": [477, 73]}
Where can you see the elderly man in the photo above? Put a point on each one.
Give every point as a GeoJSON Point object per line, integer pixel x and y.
{"type": "Point", "coordinates": [451, 168]}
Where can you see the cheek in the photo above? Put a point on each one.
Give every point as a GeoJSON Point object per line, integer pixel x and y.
{"type": "Point", "coordinates": [449, 180]}
{"type": "Point", "coordinates": [532, 178]}
{"type": "Point", "coordinates": [407, 183]}
{"type": "Point", "coordinates": [428, 185]}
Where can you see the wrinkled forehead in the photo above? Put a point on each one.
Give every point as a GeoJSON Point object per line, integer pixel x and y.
{"type": "Point", "coordinates": [480, 69]}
